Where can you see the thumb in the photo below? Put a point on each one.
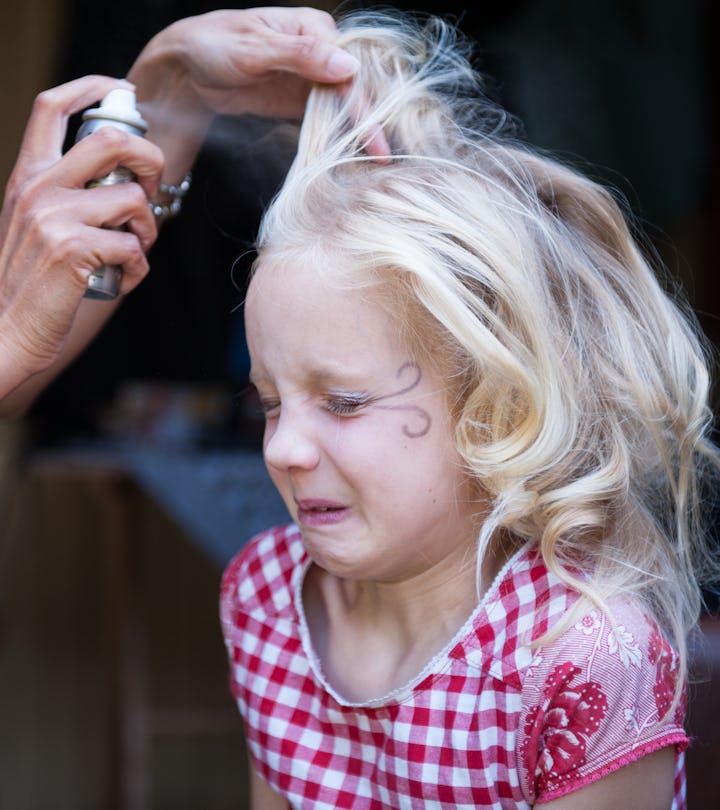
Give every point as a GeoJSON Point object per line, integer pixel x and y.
{"type": "Point", "coordinates": [316, 59]}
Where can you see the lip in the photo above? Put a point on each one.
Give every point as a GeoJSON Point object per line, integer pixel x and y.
{"type": "Point", "coordinates": [313, 512]}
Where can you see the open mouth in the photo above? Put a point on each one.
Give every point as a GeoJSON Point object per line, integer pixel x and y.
{"type": "Point", "coordinates": [320, 514]}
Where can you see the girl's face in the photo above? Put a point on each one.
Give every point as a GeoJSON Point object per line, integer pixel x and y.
{"type": "Point", "coordinates": [358, 438]}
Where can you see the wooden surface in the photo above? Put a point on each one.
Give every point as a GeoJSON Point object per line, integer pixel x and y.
{"type": "Point", "coordinates": [32, 38]}
{"type": "Point", "coordinates": [113, 677]}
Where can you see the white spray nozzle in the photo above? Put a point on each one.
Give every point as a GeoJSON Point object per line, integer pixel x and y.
{"type": "Point", "coordinates": [119, 103]}
{"type": "Point", "coordinates": [117, 106]}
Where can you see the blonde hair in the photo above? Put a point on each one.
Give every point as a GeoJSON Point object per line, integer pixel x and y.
{"type": "Point", "coordinates": [580, 388]}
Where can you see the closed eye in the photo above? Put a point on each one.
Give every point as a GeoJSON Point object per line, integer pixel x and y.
{"type": "Point", "coordinates": [346, 404]}
{"type": "Point", "coordinates": [256, 404]}
{"type": "Point", "coordinates": [269, 407]}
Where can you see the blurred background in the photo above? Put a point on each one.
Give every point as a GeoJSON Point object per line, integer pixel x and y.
{"type": "Point", "coordinates": [137, 474]}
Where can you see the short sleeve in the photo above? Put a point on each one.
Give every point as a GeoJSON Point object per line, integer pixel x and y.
{"type": "Point", "coordinates": [595, 698]}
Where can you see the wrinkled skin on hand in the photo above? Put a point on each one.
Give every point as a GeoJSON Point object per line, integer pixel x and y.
{"type": "Point", "coordinates": [54, 231]}
{"type": "Point", "coordinates": [261, 61]}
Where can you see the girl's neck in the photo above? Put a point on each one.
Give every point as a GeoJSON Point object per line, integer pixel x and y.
{"type": "Point", "coordinates": [394, 629]}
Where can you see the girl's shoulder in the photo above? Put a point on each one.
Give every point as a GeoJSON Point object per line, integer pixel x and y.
{"type": "Point", "coordinates": [530, 615]}
{"type": "Point", "coordinates": [525, 601]}
{"type": "Point", "coordinates": [261, 577]}
{"type": "Point", "coordinates": [616, 653]}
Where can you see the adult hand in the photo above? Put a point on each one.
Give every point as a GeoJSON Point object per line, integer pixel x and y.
{"type": "Point", "coordinates": [54, 232]}
{"type": "Point", "coordinates": [260, 60]}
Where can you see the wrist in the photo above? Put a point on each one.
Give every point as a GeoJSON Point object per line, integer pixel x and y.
{"type": "Point", "coordinates": [178, 119]}
{"type": "Point", "coordinates": [12, 370]}
{"type": "Point", "coordinates": [159, 73]}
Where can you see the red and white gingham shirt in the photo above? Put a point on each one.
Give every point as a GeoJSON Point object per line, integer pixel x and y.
{"type": "Point", "coordinates": [489, 723]}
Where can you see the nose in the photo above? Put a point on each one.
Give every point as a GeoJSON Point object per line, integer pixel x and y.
{"type": "Point", "coordinates": [289, 443]}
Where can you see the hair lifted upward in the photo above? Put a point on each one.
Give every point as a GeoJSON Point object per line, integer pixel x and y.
{"type": "Point", "coordinates": [579, 387]}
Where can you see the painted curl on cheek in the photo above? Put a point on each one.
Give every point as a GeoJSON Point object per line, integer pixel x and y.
{"type": "Point", "coordinates": [421, 419]}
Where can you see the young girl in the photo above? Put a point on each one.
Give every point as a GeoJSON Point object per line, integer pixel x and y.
{"type": "Point", "coordinates": [489, 425]}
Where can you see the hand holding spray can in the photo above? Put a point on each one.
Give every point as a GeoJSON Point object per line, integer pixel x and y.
{"type": "Point", "coordinates": [116, 110]}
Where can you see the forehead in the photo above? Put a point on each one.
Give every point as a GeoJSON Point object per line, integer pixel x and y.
{"type": "Point", "coordinates": [294, 311]}
{"type": "Point", "coordinates": [301, 288]}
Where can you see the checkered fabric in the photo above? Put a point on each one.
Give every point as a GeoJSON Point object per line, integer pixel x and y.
{"type": "Point", "coordinates": [491, 722]}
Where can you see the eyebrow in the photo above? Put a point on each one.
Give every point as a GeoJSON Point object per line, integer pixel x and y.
{"type": "Point", "coordinates": [324, 375]}
{"type": "Point", "coordinates": [330, 375]}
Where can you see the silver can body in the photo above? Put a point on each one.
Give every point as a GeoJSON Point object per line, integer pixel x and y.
{"type": "Point", "coordinates": [104, 281]}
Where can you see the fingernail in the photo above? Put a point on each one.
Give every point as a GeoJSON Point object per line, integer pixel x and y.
{"type": "Point", "coordinates": [378, 146]}
{"type": "Point", "coordinates": [342, 65]}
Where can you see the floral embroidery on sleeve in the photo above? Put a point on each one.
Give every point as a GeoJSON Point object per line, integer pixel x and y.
{"type": "Point", "coordinates": [595, 698]}
{"type": "Point", "coordinates": [622, 643]}
{"type": "Point", "coordinates": [663, 657]}
{"type": "Point", "coordinates": [557, 730]}
{"type": "Point", "coordinates": [589, 623]}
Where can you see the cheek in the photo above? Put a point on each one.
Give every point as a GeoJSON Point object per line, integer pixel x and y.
{"type": "Point", "coordinates": [442, 469]}
{"type": "Point", "coordinates": [396, 466]}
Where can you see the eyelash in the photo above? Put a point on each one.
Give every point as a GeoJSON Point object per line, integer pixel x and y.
{"type": "Point", "coordinates": [267, 406]}
{"type": "Point", "coordinates": [343, 406]}
{"type": "Point", "coordinates": [338, 406]}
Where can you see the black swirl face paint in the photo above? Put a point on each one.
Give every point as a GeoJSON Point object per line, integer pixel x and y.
{"type": "Point", "coordinates": [422, 421]}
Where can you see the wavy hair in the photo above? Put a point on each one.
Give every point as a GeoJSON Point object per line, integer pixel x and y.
{"type": "Point", "coordinates": [579, 386]}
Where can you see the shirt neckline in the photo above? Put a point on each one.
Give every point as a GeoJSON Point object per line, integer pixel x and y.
{"type": "Point", "coordinates": [436, 665]}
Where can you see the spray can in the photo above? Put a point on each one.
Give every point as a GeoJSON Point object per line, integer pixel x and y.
{"type": "Point", "coordinates": [117, 109]}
